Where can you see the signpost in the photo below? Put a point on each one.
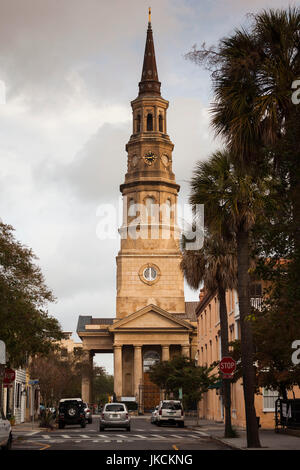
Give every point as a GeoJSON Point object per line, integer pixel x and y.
{"type": "Point", "coordinates": [227, 367]}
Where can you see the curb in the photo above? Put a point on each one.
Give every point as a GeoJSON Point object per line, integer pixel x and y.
{"type": "Point", "coordinates": [217, 439]}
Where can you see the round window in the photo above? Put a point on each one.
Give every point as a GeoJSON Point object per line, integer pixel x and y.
{"type": "Point", "coordinates": [150, 273]}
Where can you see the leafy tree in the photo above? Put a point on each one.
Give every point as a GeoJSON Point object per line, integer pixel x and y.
{"type": "Point", "coordinates": [181, 372]}
{"type": "Point", "coordinates": [59, 376]}
{"type": "Point", "coordinates": [25, 325]}
{"type": "Point", "coordinates": [103, 385]}
{"type": "Point", "coordinates": [215, 265]}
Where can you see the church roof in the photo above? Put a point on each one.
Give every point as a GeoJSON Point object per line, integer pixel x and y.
{"type": "Point", "coordinates": [149, 83]}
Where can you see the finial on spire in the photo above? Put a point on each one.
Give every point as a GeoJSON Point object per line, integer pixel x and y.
{"type": "Point", "coordinates": [149, 14]}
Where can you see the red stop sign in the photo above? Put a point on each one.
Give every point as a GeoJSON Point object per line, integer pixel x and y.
{"type": "Point", "coordinates": [227, 365]}
{"type": "Point", "coordinates": [9, 376]}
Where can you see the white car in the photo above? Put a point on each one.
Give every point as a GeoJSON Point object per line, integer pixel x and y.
{"type": "Point", "coordinates": [154, 415]}
{"type": "Point", "coordinates": [170, 412]}
{"type": "Point", "coordinates": [5, 432]}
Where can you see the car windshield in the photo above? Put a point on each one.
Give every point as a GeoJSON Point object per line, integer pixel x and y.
{"type": "Point", "coordinates": [115, 408]}
{"type": "Point", "coordinates": [171, 406]}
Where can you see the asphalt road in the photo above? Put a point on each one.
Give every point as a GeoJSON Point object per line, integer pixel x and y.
{"type": "Point", "coordinates": [143, 436]}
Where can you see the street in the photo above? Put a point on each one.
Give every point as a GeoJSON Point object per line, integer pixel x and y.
{"type": "Point", "coordinates": [143, 436]}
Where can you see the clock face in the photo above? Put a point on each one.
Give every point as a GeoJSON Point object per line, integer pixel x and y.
{"type": "Point", "coordinates": [149, 157]}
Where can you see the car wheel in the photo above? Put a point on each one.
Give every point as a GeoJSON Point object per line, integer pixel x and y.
{"type": "Point", "coordinates": [101, 429]}
{"type": "Point", "coordinates": [61, 425]}
{"type": "Point", "coordinates": [8, 444]}
{"type": "Point", "coordinates": [83, 424]}
{"type": "Point", "coordinates": [158, 423]}
{"type": "Point", "coordinates": [90, 421]}
{"type": "Point", "coordinates": [181, 424]}
{"type": "Point", "coordinates": [128, 429]}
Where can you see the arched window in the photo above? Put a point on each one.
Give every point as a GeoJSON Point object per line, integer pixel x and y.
{"type": "Point", "coordinates": [160, 123]}
{"type": "Point", "coordinates": [149, 122]}
{"type": "Point", "coordinates": [138, 123]}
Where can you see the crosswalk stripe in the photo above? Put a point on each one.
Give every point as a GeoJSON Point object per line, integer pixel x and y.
{"type": "Point", "coordinates": [158, 436]}
{"type": "Point", "coordinates": [121, 435]}
{"type": "Point", "coordinates": [84, 435]}
{"type": "Point", "coordinates": [193, 436]}
{"type": "Point", "coordinates": [65, 436]}
{"type": "Point", "coordinates": [202, 433]}
{"type": "Point", "coordinates": [175, 435]}
{"type": "Point", "coordinates": [45, 436]}
{"type": "Point", "coordinates": [139, 435]}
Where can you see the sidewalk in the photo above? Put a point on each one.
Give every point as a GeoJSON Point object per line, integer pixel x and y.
{"type": "Point", "coordinates": [268, 438]}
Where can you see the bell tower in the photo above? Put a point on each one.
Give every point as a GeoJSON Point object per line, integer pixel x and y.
{"type": "Point", "coordinates": [148, 263]}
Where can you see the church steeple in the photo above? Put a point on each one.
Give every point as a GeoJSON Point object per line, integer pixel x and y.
{"type": "Point", "coordinates": [149, 83]}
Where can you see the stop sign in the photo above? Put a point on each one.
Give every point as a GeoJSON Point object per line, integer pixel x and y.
{"type": "Point", "coordinates": [227, 366]}
{"type": "Point", "coordinates": [9, 376]}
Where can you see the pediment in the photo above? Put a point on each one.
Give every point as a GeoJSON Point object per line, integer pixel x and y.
{"type": "Point", "coordinates": [153, 318]}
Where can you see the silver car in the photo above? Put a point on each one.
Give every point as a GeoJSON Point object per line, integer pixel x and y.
{"type": "Point", "coordinates": [114, 415]}
{"type": "Point", "coordinates": [153, 419]}
{"type": "Point", "coordinates": [88, 413]}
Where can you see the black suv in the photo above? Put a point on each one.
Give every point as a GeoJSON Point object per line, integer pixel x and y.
{"type": "Point", "coordinates": [71, 411]}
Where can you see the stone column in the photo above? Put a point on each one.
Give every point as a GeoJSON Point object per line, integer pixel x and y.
{"type": "Point", "coordinates": [137, 369]}
{"type": "Point", "coordinates": [87, 374]}
{"type": "Point", "coordinates": [165, 353]}
{"type": "Point", "coordinates": [185, 350]}
{"type": "Point", "coordinates": [118, 371]}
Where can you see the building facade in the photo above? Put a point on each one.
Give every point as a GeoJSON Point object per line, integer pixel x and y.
{"type": "Point", "coordinates": [209, 350]}
{"type": "Point", "coordinates": [153, 322]}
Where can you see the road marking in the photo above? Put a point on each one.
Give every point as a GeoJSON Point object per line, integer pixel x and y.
{"type": "Point", "coordinates": [157, 436]}
{"type": "Point", "coordinates": [85, 436]}
{"type": "Point", "coordinates": [45, 436]}
{"type": "Point", "coordinates": [65, 436]}
{"type": "Point", "coordinates": [119, 441]}
{"type": "Point", "coordinates": [103, 435]}
{"type": "Point", "coordinates": [33, 433]}
{"type": "Point", "coordinates": [139, 435]}
{"type": "Point", "coordinates": [175, 435]}
{"type": "Point", "coordinates": [202, 433]}
{"type": "Point", "coordinates": [121, 435]}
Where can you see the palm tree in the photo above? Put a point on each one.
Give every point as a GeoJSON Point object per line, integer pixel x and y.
{"type": "Point", "coordinates": [253, 107]}
{"type": "Point", "coordinates": [233, 202]}
{"type": "Point", "coordinates": [215, 265]}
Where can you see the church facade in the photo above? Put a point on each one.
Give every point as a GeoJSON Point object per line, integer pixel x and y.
{"type": "Point", "coordinates": [153, 322]}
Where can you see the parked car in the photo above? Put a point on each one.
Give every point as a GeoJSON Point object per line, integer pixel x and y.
{"type": "Point", "coordinates": [88, 413]}
{"type": "Point", "coordinates": [71, 411]}
{"type": "Point", "coordinates": [154, 415]}
{"type": "Point", "coordinates": [114, 415]}
{"type": "Point", "coordinates": [170, 411]}
{"type": "Point", "coordinates": [5, 432]}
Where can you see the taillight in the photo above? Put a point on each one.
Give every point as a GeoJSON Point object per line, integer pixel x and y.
{"type": "Point", "coordinates": [88, 411]}
{"type": "Point", "coordinates": [160, 412]}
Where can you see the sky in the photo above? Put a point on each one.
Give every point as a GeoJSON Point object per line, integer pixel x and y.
{"type": "Point", "coordinates": [69, 69]}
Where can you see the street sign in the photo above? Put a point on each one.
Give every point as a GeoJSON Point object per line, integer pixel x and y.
{"type": "Point", "coordinates": [227, 367]}
{"type": "Point", "coordinates": [2, 352]}
{"type": "Point", "coordinates": [9, 376]}
{"type": "Point", "coordinates": [33, 382]}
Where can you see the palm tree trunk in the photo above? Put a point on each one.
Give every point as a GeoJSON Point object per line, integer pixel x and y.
{"type": "Point", "coordinates": [247, 347]}
{"type": "Point", "coordinates": [225, 352]}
